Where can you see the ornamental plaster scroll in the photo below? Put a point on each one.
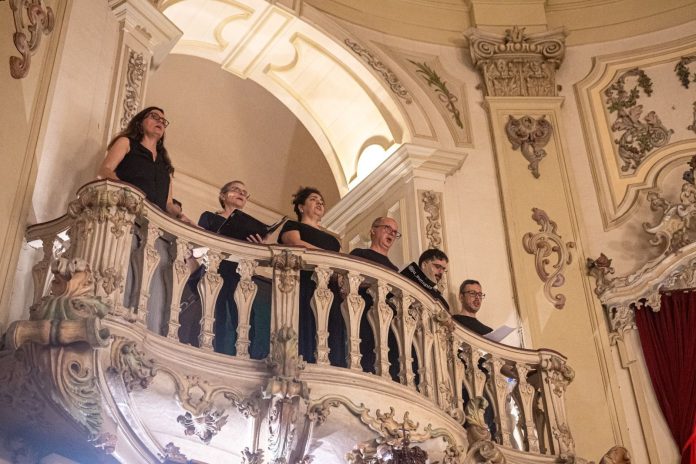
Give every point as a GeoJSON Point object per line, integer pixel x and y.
{"type": "Point", "coordinates": [130, 364]}
{"type": "Point", "coordinates": [448, 99]}
{"type": "Point", "coordinates": [542, 245]}
{"type": "Point", "coordinates": [70, 314]}
{"type": "Point", "coordinates": [681, 69]}
{"type": "Point", "coordinates": [386, 424]}
{"type": "Point", "coordinates": [135, 74]}
{"type": "Point", "coordinates": [252, 457]}
{"type": "Point", "coordinates": [675, 229]}
{"type": "Point", "coordinates": [530, 136]}
{"type": "Point", "coordinates": [27, 37]}
{"type": "Point", "coordinates": [481, 446]}
{"type": "Point", "coordinates": [517, 64]}
{"type": "Point", "coordinates": [432, 205]}
{"type": "Point", "coordinates": [172, 454]}
{"type": "Point", "coordinates": [383, 70]}
{"type": "Point", "coordinates": [204, 426]}
{"type": "Point", "coordinates": [638, 137]}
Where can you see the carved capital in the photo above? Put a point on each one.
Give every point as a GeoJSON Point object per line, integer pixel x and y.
{"type": "Point", "coordinates": [518, 64]}
{"type": "Point", "coordinates": [542, 245]}
{"type": "Point", "coordinates": [288, 265]}
{"type": "Point", "coordinates": [530, 136]}
{"type": "Point", "coordinates": [558, 373]}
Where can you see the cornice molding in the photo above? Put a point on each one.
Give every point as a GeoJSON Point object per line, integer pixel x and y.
{"type": "Point", "coordinates": [408, 162]}
{"type": "Point", "coordinates": [147, 25]}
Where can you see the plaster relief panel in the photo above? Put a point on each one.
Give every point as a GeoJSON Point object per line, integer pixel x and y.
{"type": "Point", "coordinates": [443, 90]}
{"type": "Point", "coordinates": [639, 114]}
{"type": "Point", "coordinates": [32, 20]}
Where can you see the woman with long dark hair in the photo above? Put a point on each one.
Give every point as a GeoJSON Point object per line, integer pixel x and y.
{"type": "Point", "coordinates": [137, 155]}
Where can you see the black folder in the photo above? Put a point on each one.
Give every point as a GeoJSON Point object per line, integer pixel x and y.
{"type": "Point", "coordinates": [240, 225]}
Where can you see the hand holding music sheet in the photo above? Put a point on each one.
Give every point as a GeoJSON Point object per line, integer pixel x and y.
{"type": "Point", "coordinates": [240, 225]}
{"type": "Point", "coordinates": [499, 334]}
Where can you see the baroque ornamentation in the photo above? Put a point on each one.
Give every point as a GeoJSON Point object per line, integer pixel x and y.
{"type": "Point", "coordinates": [448, 99]}
{"type": "Point", "coordinates": [481, 447]}
{"type": "Point", "coordinates": [172, 454]}
{"type": "Point", "coordinates": [616, 455]}
{"type": "Point", "coordinates": [600, 269]}
{"type": "Point", "coordinates": [518, 64]}
{"type": "Point", "coordinates": [288, 264]}
{"type": "Point", "coordinates": [134, 79]}
{"type": "Point", "coordinates": [432, 202]}
{"type": "Point", "coordinates": [639, 138]}
{"type": "Point", "coordinates": [676, 227]}
{"type": "Point", "coordinates": [542, 245]}
{"type": "Point", "coordinates": [558, 374]}
{"type": "Point", "coordinates": [71, 313]}
{"type": "Point", "coordinates": [27, 37]}
{"type": "Point", "coordinates": [249, 457]}
{"type": "Point", "coordinates": [530, 136]}
{"type": "Point", "coordinates": [387, 74]}
{"type": "Point", "coordinates": [131, 365]}
{"type": "Point", "coordinates": [205, 426]}
{"type": "Point", "coordinates": [683, 74]}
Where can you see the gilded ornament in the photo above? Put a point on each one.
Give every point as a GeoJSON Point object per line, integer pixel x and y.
{"type": "Point", "coordinates": [639, 137]}
{"type": "Point", "coordinates": [387, 74]}
{"type": "Point", "coordinates": [542, 245]}
{"type": "Point", "coordinates": [448, 99]}
{"type": "Point", "coordinates": [530, 136]}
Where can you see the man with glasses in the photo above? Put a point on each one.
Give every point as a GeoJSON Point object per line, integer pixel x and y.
{"type": "Point", "coordinates": [383, 233]}
{"type": "Point", "coordinates": [471, 297]}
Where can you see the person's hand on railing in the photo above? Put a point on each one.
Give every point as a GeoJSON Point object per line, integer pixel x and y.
{"type": "Point", "coordinates": [256, 238]}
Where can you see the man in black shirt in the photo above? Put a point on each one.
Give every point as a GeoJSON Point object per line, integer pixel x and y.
{"type": "Point", "coordinates": [430, 269]}
{"type": "Point", "coordinates": [471, 297]}
{"type": "Point", "coordinates": [383, 233]}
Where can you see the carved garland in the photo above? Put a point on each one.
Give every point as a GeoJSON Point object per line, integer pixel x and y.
{"type": "Point", "coordinates": [542, 245]}
{"type": "Point", "coordinates": [433, 227]}
{"type": "Point", "coordinates": [387, 74]}
{"type": "Point", "coordinates": [134, 78]}
{"type": "Point", "coordinates": [443, 93]}
{"type": "Point", "coordinates": [683, 74]}
{"type": "Point", "coordinates": [639, 138]}
{"type": "Point", "coordinates": [530, 136]}
{"type": "Point", "coordinates": [27, 37]}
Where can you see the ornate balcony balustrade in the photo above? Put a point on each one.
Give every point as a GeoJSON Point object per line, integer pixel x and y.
{"type": "Point", "coordinates": [130, 258]}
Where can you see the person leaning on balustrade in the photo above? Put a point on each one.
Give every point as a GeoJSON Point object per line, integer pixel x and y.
{"type": "Point", "coordinates": [233, 197]}
{"type": "Point", "coordinates": [384, 231]}
{"type": "Point", "coordinates": [137, 155]}
{"type": "Point", "coordinates": [309, 206]}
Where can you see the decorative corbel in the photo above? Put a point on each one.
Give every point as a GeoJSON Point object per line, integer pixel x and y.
{"type": "Point", "coordinates": [542, 245]}
{"type": "Point", "coordinates": [27, 37]}
{"type": "Point", "coordinates": [530, 136]}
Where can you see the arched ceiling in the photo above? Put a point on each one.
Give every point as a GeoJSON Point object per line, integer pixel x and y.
{"type": "Point", "coordinates": [442, 21]}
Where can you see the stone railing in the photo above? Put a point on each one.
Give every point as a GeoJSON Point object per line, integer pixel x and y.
{"type": "Point", "coordinates": [135, 251]}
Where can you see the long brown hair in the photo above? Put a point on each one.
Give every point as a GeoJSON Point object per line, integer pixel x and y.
{"type": "Point", "coordinates": [134, 130]}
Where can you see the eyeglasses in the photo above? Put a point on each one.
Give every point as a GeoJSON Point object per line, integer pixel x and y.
{"type": "Point", "coordinates": [159, 118]}
{"type": "Point", "coordinates": [239, 191]}
{"type": "Point", "coordinates": [476, 294]}
{"type": "Point", "coordinates": [390, 230]}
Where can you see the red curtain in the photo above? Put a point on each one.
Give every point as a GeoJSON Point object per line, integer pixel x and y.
{"type": "Point", "coordinates": [669, 345]}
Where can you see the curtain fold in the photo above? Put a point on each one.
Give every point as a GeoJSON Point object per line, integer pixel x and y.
{"type": "Point", "coordinates": [668, 338]}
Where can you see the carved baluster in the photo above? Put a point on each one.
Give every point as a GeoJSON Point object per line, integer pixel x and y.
{"type": "Point", "coordinates": [556, 376]}
{"type": "Point", "coordinates": [352, 308]}
{"type": "Point", "coordinates": [425, 344]}
{"type": "Point", "coordinates": [150, 262]}
{"type": "Point", "coordinates": [527, 394]}
{"type": "Point", "coordinates": [499, 386]}
{"type": "Point", "coordinates": [208, 288]}
{"type": "Point", "coordinates": [379, 316]}
{"type": "Point", "coordinates": [181, 275]}
{"type": "Point", "coordinates": [321, 304]}
{"type": "Point", "coordinates": [244, 296]}
{"type": "Point", "coordinates": [286, 291]}
{"type": "Point", "coordinates": [39, 271]}
{"type": "Point", "coordinates": [405, 325]}
{"type": "Point", "coordinates": [443, 358]}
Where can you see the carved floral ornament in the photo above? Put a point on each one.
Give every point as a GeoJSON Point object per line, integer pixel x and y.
{"type": "Point", "coordinates": [685, 76]}
{"type": "Point", "coordinates": [135, 74]}
{"type": "Point", "coordinates": [518, 64]}
{"type": "Point", "coordinates": [638, 137]}
{"type": "Point", "coordinates": [530, 136]}
{"type": "Point", "coordinates": [542, 245]}
{"type": "Point", "coordinates": [432, 204]}
{"type": "Point", "coordinates": [32, 19]}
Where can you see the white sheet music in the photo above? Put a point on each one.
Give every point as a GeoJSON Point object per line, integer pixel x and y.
{"type": "Point", "coordinates": [499, 334]}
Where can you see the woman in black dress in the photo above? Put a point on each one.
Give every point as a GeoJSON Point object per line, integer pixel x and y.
{"type": "Point", "coordinates": [306, 232]}
{"type": "Point", "coordinates": [137, 155]}
{"type": "Point", "coordinates": [233, 196]}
